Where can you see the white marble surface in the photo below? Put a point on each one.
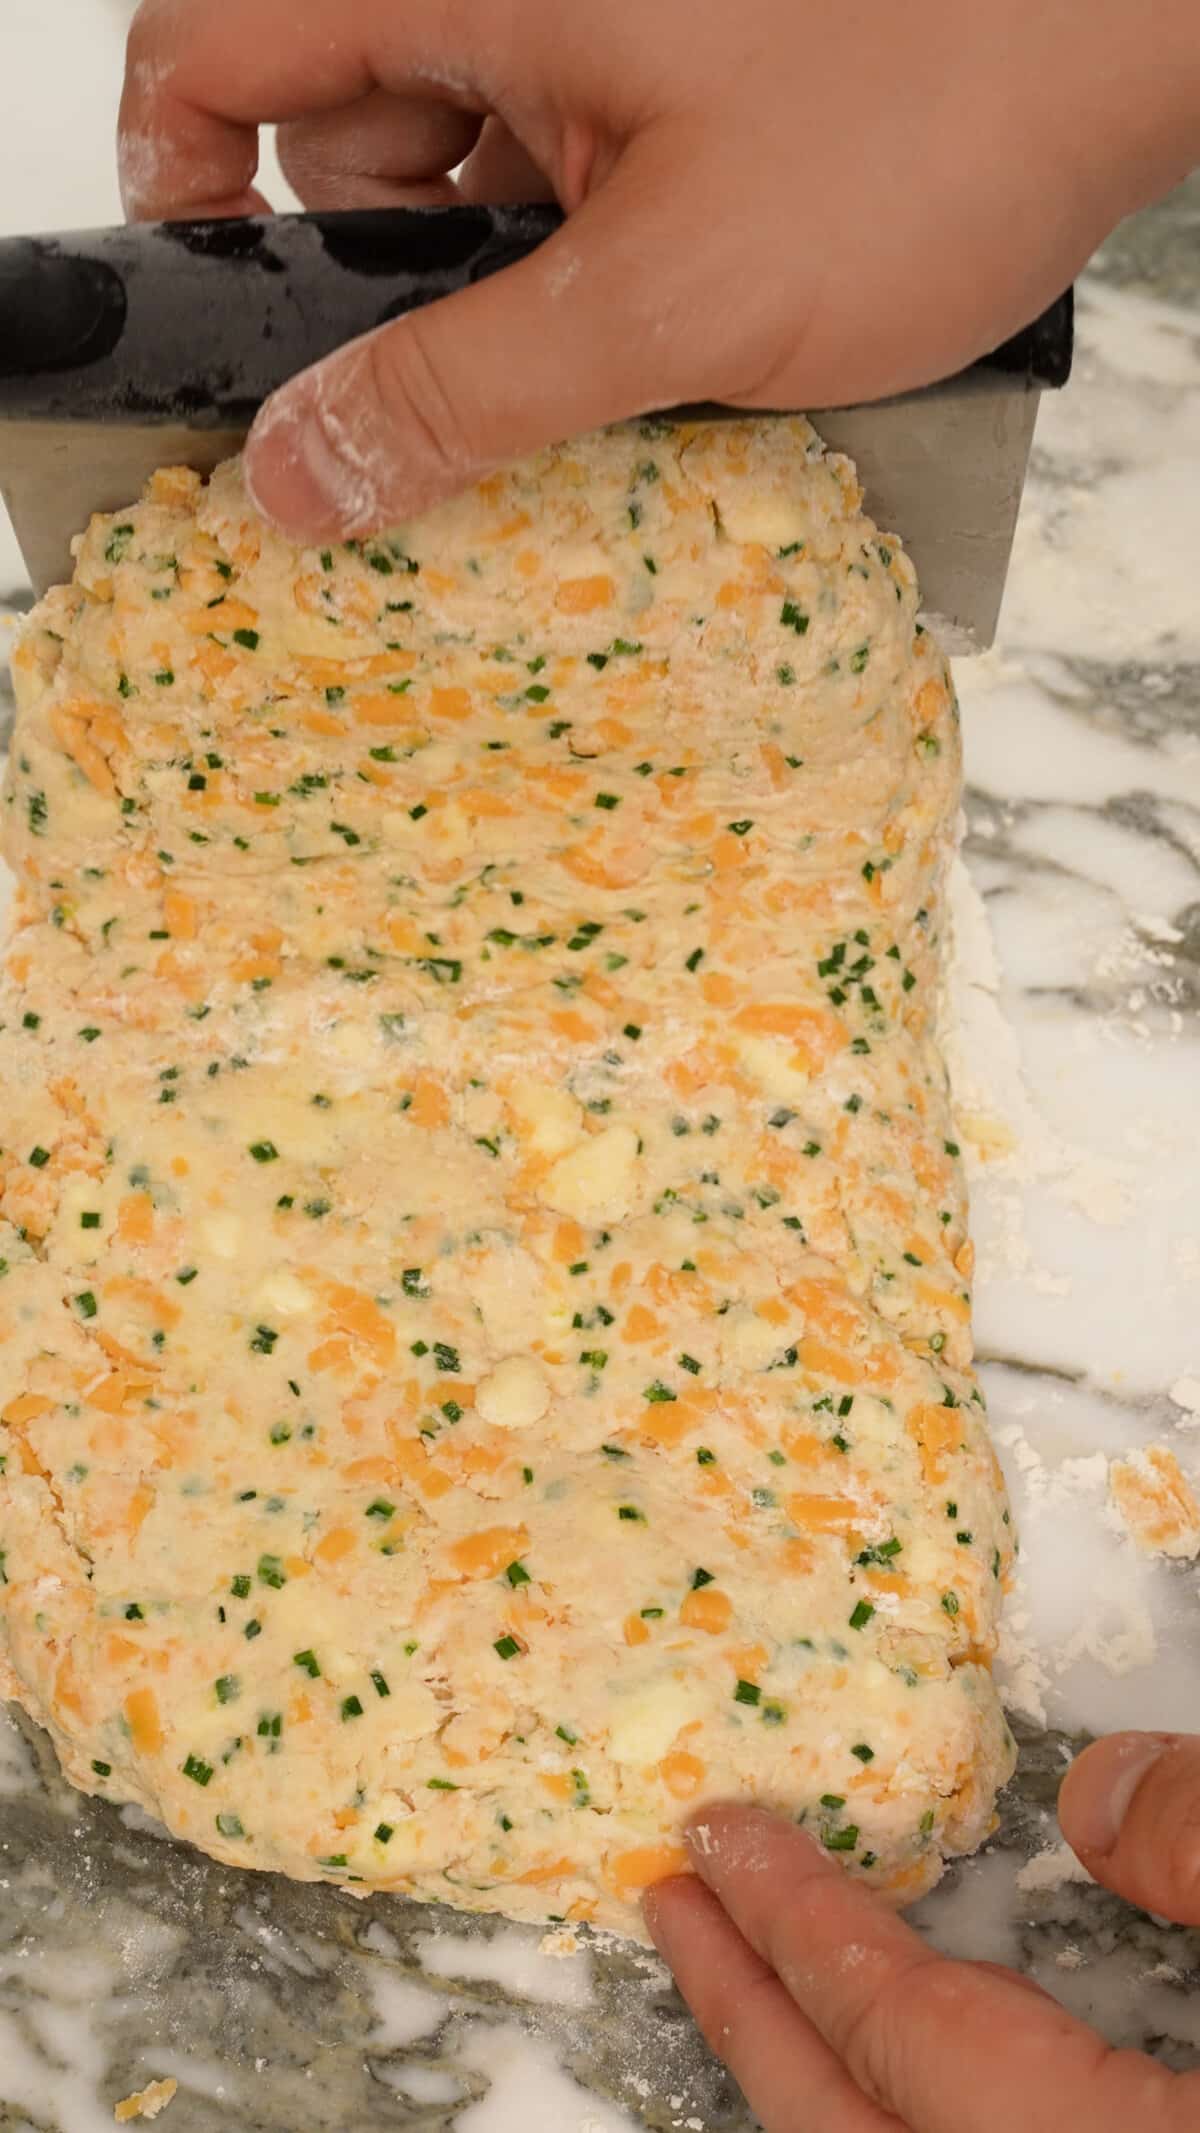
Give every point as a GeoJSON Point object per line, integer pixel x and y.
{"type": "Point", "coordinates": [1075, 1033]}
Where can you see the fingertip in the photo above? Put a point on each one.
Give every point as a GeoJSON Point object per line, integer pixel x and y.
{"type": "Point", "coordinates": [343, 451]}
{"type": "Point", "coordinates": [1098, 1789]}
{"type": "Point", "coordinates": [674, 1909]}
{"type": "Point", "coordinates": [661, 1901]}
{"type": "Point", "coordinates": [277, 480]}
{"type": "Point", "coordinates": [652, 1915]}
{"type": "Point", "coordinates": [741, 1836]}
{"type": "Point", "coordinates": [716, 1816]}
{"type": "Point", "coordinates": [300, 478]}
{"type": "Point", "coordinates": [705, 1833]}
{"type": "Point", "coordinates": [268, 471]}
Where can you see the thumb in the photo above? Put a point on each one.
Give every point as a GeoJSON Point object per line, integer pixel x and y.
{"type": "Point", "coordinates": [1130, 1807]}
{"type": "Point", "coordinates": [567, 340]}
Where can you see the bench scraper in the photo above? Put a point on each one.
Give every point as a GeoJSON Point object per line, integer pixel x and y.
{"type": "Point", "coordinates": [125, 350]}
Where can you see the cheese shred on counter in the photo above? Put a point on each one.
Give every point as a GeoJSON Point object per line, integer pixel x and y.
{"type": "Point", "coordinates": [485, 1356]}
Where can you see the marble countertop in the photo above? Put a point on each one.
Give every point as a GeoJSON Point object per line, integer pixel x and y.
{"type": "Point", "coordinates": [1075, 1028]}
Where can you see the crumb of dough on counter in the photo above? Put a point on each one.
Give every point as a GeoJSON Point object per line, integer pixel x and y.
{"type": "Point", "coordinates": [147, 2102]}
{"type": "Point", "coordinates": [1157, 1502]}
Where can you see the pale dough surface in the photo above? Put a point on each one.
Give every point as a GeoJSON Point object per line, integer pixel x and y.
{"type": "Point", "coordinates": [485, 1325]}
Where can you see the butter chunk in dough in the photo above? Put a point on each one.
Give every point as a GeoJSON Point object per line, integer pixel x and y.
{"type": "Point", "coordinates": [485, 1348]}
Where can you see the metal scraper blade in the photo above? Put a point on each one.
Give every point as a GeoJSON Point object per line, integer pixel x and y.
{"type": "Point", "coordinates": [54, 475]}
{"type": "Point", "coordinates": [945, 470]}
{"type": "Point", "coordinates": [126, 350]}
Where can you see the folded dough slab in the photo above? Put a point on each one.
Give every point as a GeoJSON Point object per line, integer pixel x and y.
{"type": "Point", "coordinates": [484, 1323]}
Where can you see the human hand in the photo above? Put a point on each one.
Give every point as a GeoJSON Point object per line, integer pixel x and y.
{"type": "Point", "coordinates": [769, 205]}
{"type": "Point", "coordinates": [836, 2018]}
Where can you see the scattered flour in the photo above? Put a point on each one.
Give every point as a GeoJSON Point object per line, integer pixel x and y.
{"type": "Point", "coordinates": [1185, 1393]}
{"type": "Point", "coordinates": [1002, 1128]}
{"type": "Point", "coordinates": [1051, 1625]}
{"type": "Point", "coordinates": [1052, 1869]}
{"type": "Point", "coordinates": [507, 1957]}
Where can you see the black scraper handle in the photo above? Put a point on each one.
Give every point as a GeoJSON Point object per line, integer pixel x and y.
{"type": "Point", "coordinates": [201, 321]}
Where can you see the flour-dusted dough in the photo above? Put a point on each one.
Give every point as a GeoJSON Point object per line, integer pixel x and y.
{"type": "Point", "coordinates": [485, 1332]}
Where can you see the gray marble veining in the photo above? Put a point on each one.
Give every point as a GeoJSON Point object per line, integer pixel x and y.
{"type": "Point", "coordinates": [275, 1994]}
{"type": "Point", "coordinates": [1158, 254]}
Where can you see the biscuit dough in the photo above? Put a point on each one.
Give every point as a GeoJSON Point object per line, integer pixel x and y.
{"type": "Point", "coordinates": [485, 1349]}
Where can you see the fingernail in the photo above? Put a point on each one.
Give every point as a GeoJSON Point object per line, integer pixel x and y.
{"type": "Point", "coordinates": [665, 1939]}
{"type": "Point", "coordinates": [302, 470]}
{"type": "Point", "coordinates": [669, 1915]}
{"type": "Point", "coordinates": [1107, 1784]}
{"type": "Point", "coordinates": [737, 1837]}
